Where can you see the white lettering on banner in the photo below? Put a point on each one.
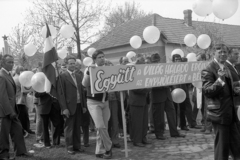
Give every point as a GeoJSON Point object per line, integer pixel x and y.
{"type": "Point", "coordinates": [153, 70]}
{"type": "Point", "coordinates": [198, 66]}
{"type": "Point", "coordinates": [196, 77]}
{"type": "Point", "coordinates": [176, 68]}
{"type": "Point", "coordinates": [123, 76]}
{"type": "Point", "coordinates": [165, 80]}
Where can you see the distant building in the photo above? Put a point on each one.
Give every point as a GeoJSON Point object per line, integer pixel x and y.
{"type": "Point", "coordinates": [116, 43]}
{"type": "Point", "coordinates": [6, 48]}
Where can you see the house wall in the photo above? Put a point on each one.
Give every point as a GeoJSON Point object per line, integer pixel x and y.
{"type": "Point", "coordinates": [114, 54]}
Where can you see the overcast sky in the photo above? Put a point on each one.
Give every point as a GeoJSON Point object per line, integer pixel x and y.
{"type": "Point", "coordinates": [12, 12]}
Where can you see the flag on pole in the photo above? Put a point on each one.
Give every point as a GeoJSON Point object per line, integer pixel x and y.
{"type": "Point", "coordinates": [49, 59]}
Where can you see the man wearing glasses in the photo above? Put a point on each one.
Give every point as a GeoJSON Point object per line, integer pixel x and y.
{"type": "Point", "coordinates": [219, 91]}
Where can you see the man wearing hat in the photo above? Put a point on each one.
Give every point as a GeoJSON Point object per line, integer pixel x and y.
{"type": "Point", "coordinates": [162, 101]}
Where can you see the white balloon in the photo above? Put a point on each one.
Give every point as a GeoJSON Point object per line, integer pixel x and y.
{"type": "Point", "coordinates": [38, 82]}
{"type": "Point", "coordinates": [25, 78]}
{"type": "Point", "coordinates": [202, 8]}
{"type": "Point", "coordinates": [190, 40]}
{"type": "Point", "coordinates": [52, 29]}
{"type": "Point", "coordinates": [178, 95]}
{"type": "Point", "coordinates": [151, 34]}
{"type": "Point", "coordinates": [67, 31]}
{"type": "Point", "coordinates": [62, 53]}
{"type": "Point", "coordinates": [192, 57]}
{"type": "Point", "coordinates": [87, 61]}
{"type": "Point", "coordinates": [136, 42]}
{"type": "Point", "coordinates": [91, 51]}
{"type": "Point", "coordinates": [204, 41]}
{"type": "Point", "coordinates": [224, 9]}
{"type": "Point", "coordinates": [30, 49]}
{"type": "Point", "coordinates": [177, 51]}
{"type": "Point", "coordinates": [131, 56]}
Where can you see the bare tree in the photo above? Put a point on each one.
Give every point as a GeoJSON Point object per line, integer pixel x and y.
{"type": "Point", "coordinates": [83, 15]}
{"type": "Point", "coordinates": [122, 14]}
{"type": "Point", "coordinates": [19, 37]}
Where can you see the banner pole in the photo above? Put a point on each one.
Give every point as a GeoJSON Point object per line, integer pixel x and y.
{"type": "Point", "coordinates": [124, 124]}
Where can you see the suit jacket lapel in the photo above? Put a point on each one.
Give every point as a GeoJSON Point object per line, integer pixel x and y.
{"type": "Point", "coordinates": [69, 78]}
{"type": "Point", "coordinates": [10, 79]}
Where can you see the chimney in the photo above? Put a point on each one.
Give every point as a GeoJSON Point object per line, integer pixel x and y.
{"type": "Point", "coordinates": [154, 20]}
{"type": "Point", "coordinates": [188, 17]}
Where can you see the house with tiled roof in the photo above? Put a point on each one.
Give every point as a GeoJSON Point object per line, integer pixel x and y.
{"type": "Point", "coordinates": [116, 43]}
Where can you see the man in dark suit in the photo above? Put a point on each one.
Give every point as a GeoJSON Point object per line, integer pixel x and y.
{"type": "Point", "coordinates": [162, 101]}
{"type": "Point", "coordinates": [49, 109]}
{"type": "Point", "coordinates": [86, 115]}
{"type": "Point", "coordinates": [185, 107]}
{"type": "Point", "coordinates": [234, 68]}
{"type": "Point", "coordinates": [219, 90]}
{"type": "Point", "coordinates": [72, 102]}
{"type": "Point", "coordinates": [138, 113]}
{"type": "Point", "coordinates": [10, 125]}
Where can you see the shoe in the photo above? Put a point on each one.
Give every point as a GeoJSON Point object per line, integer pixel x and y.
{"type": "Point", "coordinates": [38, 145]}
{"type": "Point", "coordinates": [30, 132]}
{"type": "Point", "coordinates": [116, 145]}
{"type": "Point", "coordinates": [146, 142]}
{"type": "Point", "coordinates": [99, 155]}
{"type": "Point", "coordinates": [108, 154]}
{"type": "Point", "coordinates": [86, 145]}
{"type": "Point", "coordinates": [161, 137]}
{"type": "Point", "coordinates": [179, 136]}
{"type": "Point", "coordinates": [79, 150]}
{"type": "Point", "coordinates": [207, 132]}
{"type": "Point", "coordinates": [196, 127]}
{"type": "Point", "coordinates": [70, 152]}
{"type": "Point", "coordinates": [25, 155]}
{"type": "Point", "coordinates": [138, 144]}
{"type": "Point", "coordinates": [40, 141]}
{"type": "Point", "coordinates": [48, 147]}
{"type": "Point", "coordinates": [184, 128]}
{"type": "Point", "coordinates": [150, 131]}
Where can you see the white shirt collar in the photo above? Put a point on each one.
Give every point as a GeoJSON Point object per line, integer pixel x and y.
{"type": "Point", "coordinates": [229, 62]}
{"type": "Point", "coordinates": [5, 70]}
{"type": "Point", "coordinates": [220, 65]}
{"type": "Point", "coordinates": [70, 72]}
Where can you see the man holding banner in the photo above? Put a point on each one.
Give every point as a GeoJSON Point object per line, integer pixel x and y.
{"type": "Point", "coordinates": [162, 101]}
{"type": "Point", "coordinates": [98, 107]}
{"type": "Point", "coordinates": [218, 88]}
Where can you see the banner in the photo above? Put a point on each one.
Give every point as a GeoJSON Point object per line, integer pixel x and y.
{"type": "Point", "coordinates": [119, 78]}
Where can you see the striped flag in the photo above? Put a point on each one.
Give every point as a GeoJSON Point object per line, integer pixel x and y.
{"type": "Point", "coordinates": [49, 62]}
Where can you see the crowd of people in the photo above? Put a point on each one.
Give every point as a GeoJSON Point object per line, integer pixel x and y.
{"type": "Point", "coordinates": [70, 107]}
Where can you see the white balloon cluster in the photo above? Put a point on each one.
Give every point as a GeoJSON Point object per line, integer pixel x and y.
{"type": "Point", "coordinates": [222, 9]}
{"type": "Point", "coordinates": [36, 81]}
{"type": "Point", "coordinates": [151, 35]}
